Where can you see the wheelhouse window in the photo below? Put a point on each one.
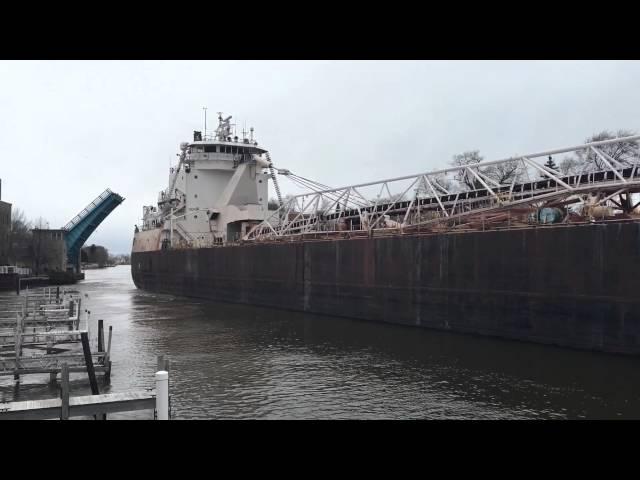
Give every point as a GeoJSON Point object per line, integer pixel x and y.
{"type": "Point", "coordinates": [210, 148]}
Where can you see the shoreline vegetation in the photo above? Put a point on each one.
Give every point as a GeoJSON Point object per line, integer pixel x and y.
{"type": "Point", "coordinates": [97, 256]}
{"type": "Point", "coordinates": [92, 266]}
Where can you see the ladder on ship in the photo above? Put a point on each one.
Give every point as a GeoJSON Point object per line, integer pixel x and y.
{"type": "Point", "coordinates": [272, 173]}
{"type": "Point", "coordinates": [184, 234]}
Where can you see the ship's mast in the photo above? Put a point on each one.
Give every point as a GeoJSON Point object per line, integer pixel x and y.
{"type": "Point", "coordinates": [224, 128]}
{"type": "Point", "coordinates": [205, 122]}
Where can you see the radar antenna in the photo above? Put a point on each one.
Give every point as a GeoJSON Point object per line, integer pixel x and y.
{"type": "Point", "coordinates": [224, 129]}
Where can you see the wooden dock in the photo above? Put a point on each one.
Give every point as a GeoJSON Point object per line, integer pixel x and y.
{"type": "Point", "coordinates": [41, 332]}
{"type": "Point", "coordinates": [96, 405]}
{"type": "Point", "coordinates": [82, 406]}
{"type": "Point", "coordinates": [41, 329]}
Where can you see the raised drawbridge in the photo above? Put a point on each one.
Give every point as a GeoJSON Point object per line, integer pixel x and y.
{"type": "Point", "coordinates": [80, 228]}
{"type": "Point", "coordinates": [594, 182]}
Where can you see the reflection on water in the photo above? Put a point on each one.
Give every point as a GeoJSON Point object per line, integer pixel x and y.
{"type": "Point", "coordinates": [236, 361]}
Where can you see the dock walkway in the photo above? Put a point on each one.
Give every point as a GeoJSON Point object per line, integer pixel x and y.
{"type": "Point", "coordinates": [41, 329]}
{"type": "Point", "coordinates": [82, 406]}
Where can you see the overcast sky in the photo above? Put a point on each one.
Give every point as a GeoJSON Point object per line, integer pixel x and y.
{"type": "Point", "coordinates": [68, 130]}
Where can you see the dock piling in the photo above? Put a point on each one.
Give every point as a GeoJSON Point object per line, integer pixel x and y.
{"type": "Point", "coordinates": [90, 370]}
{"type": "Point", "coordinates": [162, 395]}
{"type": "Point", "coordinates": [107, 358]}
{"type": "Point", "coordinates": [107, 374]}
{"type": "Point", "coordinates": [100, 337]}
{"type": "Point", "coordinates": [18, 345]}
{"type": "Point", "coordinates": [109, 343]}
{"type": "Point", "coordinates": [89, 363]}
{"type": "Point", "coordinates": [64, 392]}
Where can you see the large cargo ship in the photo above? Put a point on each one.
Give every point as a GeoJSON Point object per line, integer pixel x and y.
{"type": "Point", "coordinates": [517, 248]}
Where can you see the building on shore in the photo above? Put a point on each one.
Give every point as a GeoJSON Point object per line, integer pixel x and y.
{"type": "Point", "coordinates": [49, 251]}
{"type": "Point", "coordinates": [5, 229]}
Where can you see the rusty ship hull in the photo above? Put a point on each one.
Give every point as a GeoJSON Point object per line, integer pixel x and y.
{"type": "Point", "coordinates": [571, 286]}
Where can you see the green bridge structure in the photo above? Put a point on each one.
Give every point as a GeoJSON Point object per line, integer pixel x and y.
{"type": "Point", "coordinates": [80, 228]}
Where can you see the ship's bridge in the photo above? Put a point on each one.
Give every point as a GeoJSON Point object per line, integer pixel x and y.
{"type": "Point", "coordinates": [222, 149]}
{"type": "Point", "coordinates": [222, 140]}
{"type": "Point", "coordinates": [232, 147]}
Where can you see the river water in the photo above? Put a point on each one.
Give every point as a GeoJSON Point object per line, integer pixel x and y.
{"type": "Point", "coordinates": [240, 362]}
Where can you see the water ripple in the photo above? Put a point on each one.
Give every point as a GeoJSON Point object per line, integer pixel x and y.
{"type": "Point", "coordinates": [241, 362]}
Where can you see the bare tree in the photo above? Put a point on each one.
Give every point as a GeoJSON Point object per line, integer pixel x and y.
{"type": "Point", "coordinates": [502, 173]}
{"type": "Point", "coordinates": [570, 165]}
{"type": "Point", "coordinates": [289, 199]}
{"type": "Point", "coordinates": [119, 259]}
{"type": "Point", "coordinates": [20, 237]}
{"type": "Point", "coordinates": [102, 256]}
{"type": "Point", "coordinates": [620, 151]}
{"type": "Point", "coordinates": [20, 226]}
{"type": "Point", "coordinates": [382, 200]}
{"type": "Point", "coordinates": [41, 245]}
{"type": "Point", "coordinates": [466, 159]}
{"type": "Point", "coordinates": [325, 203]}
{"type": "Point", "coordinates": [442, 183]}
{"type": "Point", "coordinates": [97, 254]}
{"type": "Point", "coordinates": [41, 223]}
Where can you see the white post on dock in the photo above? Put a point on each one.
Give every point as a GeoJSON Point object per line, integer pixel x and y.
{"type": "Point", "coordinates": [162, 394]}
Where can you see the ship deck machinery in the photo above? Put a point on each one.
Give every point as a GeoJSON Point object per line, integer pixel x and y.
{"type": "Point", "coordinates": [438, 201]}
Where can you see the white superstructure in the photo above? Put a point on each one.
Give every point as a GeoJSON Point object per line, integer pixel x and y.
{"type": "Point", "coordinates": [216, 194]}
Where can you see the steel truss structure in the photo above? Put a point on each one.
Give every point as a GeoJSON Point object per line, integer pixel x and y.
{"type": "Point", "coordinates": [465, 197]}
